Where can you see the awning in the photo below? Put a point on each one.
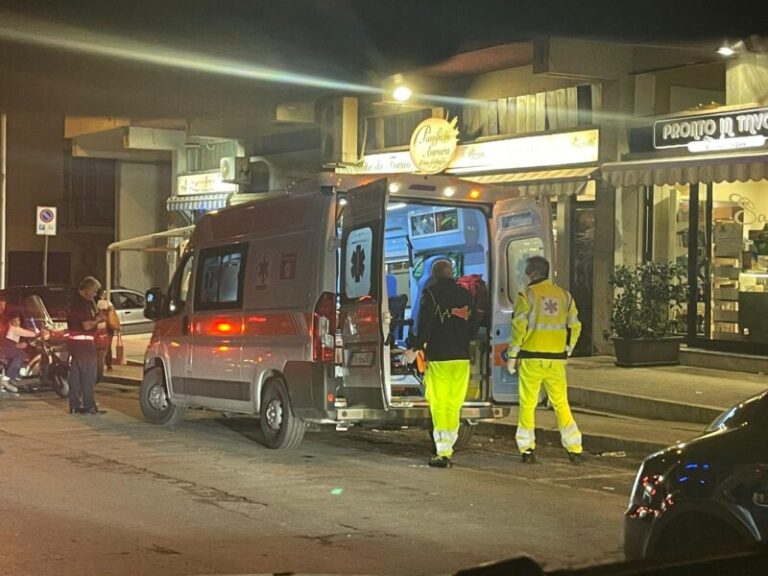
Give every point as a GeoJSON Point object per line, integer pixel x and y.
{"type": "Point", "coordinates": [687, 170]}
{"type": "Point", "coordinates": [198, 202]}
{"type": "Point", "coordinates": [562, 182]}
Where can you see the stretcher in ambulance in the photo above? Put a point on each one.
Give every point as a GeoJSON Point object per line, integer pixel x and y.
{"type": "Point", "coordinates": [297, 307]}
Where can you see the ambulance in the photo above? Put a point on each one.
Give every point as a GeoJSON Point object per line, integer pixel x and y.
{"type": "Point", "coordinates": [296, 307]}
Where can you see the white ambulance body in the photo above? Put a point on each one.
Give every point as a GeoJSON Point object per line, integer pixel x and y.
{"type": "Point", "coordinates": [296, 307]}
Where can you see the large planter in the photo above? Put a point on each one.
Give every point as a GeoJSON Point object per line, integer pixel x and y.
{"type": "Point", "coordinates": [636, 352]}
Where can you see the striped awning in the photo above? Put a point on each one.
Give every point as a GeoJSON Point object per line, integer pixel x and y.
{"type": "Point", "coordinates": [205, 202]}
{"type": "Point", "coordinates": [562, 182]}
{"type": "Point", "coordinates": [688, 170]}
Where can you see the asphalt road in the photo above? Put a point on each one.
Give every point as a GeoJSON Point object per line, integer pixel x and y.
{"type": "Point", "coordinates": [111, 494]}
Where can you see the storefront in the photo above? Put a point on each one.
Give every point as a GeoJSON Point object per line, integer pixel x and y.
{"type": "Point", "coordinates": [704, 181]}
{"type": "Point", "coordinates": [560, 166]}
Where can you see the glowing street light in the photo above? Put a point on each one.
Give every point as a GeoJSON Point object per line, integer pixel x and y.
{"type": "Point", "coordinates": [402, 93]}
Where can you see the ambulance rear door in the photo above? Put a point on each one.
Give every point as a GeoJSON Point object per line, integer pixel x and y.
{"type": "Point", "coordinates": [522, 227]}
{"type": "Point", "coordinates": [361, 281]}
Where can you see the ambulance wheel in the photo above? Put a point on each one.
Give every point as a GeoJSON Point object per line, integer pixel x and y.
{"type": "Point", "coordinates": [465, 436]}
{"type": "Point", "coordinates": [153, 398]}
{"type": "Point", "coordinates": [281, 428]}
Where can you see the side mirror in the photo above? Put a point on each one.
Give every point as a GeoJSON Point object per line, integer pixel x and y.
{"type": "Point", "coordinates": [153, 305]}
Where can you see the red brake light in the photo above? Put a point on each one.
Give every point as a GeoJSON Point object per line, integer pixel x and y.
{"type": "Point", "coordinates": [324, 328]}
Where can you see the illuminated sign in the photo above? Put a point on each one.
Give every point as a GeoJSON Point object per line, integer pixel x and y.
{"type": "Point", "coordinates": [203, 183]}
{"type": "Point", "coordinates": [580, 147]}
{"type": "Point", "coordinates": [525, 152]}
{"type": "Point", "coordinates": [712, 132]}
{"type": "Point", "coordinates": [433, 144]}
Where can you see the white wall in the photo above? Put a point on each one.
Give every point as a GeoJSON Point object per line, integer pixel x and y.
{"type": "Point", "coordinates": [142, 190]}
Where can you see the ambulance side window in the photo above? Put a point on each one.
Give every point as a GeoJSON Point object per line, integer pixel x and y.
{"type": "Point", "coordinates": [220, 274]}
{"type": "Point", "coordinates": [518, 252]}
{"type": "Point", "coordinates": [179, 289]}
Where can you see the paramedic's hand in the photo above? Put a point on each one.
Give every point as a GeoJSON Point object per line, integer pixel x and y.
{"type": "Point", "coordinates": [512, 365]}
{"type": "Point", "coordinates": [410, 356]}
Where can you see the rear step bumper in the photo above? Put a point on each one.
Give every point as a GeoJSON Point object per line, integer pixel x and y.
{"type": "Point", "coordinates": [414, 414]}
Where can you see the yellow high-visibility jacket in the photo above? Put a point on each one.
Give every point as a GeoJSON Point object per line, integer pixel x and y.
{"type": "Point", "coordinates": [545, 323]}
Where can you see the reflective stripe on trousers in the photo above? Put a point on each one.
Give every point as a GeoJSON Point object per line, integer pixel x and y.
{"type": "Point", "coordinates": [551, 373]}
{"type": "Point", "coordinates": [446, 382]}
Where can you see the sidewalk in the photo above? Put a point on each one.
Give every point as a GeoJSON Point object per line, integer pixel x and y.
{"type": "Point", "coordinates": [637, 410]}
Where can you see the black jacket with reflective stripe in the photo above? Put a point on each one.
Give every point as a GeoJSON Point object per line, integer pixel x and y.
{"type": "Point", "coordinates": [446, 321]}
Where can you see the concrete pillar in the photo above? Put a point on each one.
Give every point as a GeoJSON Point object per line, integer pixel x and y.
{"type": "Point", "coordinates": [618, 103]}
{"type": "Point", "coordinates": [746, 79]}
{"type": "Point", "coordinates": [142, 189]}
{"type": "Point", "coordinates": [564, 232]}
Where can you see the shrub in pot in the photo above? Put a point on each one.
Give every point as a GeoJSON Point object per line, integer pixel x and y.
{"type": "Point", "coordinates": [645, 315]}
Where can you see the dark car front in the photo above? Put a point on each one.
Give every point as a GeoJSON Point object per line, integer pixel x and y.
{"type": "Point", "coordinates": [705, 493]}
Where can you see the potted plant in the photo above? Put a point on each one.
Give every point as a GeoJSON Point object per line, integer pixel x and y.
{"type": "Point", "coordinates": [647, 302]}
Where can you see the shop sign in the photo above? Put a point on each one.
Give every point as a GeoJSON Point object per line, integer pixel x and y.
{"type": "Point", "coordinates": [433, 144]}
{"type": "Point", "coordinates": [724, 131]}
{"type": "Point", "coordinates": [546, 150]}
{"type": "Point", "coordinates": [387, 163]}
{"type": "Point", "coordinates": [203, 183]}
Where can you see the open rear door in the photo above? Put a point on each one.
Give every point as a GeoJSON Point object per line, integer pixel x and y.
{"type": "Point", "coordinates": [363, 306]}
{"type": "Point", "coordinates": [522, 227]}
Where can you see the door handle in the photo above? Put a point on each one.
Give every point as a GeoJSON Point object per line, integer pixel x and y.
{"type": "Point", "coordinates": [185, 325]}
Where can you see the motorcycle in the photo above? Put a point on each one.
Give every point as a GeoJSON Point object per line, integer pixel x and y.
{"type": "Point", "coordinates": [47, 366]}
{"type": "Point", "coordinates": [47, 362]}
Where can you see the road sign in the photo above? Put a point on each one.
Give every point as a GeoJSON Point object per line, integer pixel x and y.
{"type": "Point", "coordinates": [46, 221]}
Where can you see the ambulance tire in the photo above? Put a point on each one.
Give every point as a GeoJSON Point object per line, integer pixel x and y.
{"type": "Point", "coordinates": [155, 404]}
{"type": "Point", "coordinates": [280, 427]}
{"type": "Point", "coordinates": [465, 436]}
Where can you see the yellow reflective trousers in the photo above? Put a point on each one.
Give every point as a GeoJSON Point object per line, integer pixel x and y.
{"type": "Point", "coordinates": [446, 382]}
{"type": "Point", "coordinates": [533, 373]}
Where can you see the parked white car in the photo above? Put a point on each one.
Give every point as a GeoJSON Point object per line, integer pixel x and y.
{"type": "Point", "coordinates": [129, 305]}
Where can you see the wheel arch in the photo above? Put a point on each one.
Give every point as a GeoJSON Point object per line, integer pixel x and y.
{"type": "Point", "coordinates": [695, 516]}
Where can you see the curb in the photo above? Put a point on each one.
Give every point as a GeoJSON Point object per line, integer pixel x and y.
{"type": "Point", "coordinates": [641, 407]}
{"type": "Point", "coordinates": [125, 380]}
{"type": "Point", "coordinates": [593, 443]}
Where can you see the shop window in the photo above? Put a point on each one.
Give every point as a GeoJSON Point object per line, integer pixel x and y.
{"type": "Point", "coordinates": [740, 262]}
{"type": "Point", "coordinates": [90, 193]}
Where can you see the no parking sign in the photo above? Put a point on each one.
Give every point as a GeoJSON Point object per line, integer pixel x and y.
{"type": "Point", "coordinates": [46, 221]}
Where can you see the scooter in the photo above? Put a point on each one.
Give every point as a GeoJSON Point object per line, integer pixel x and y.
{"type": "Point", "coordinates": [47, 366]}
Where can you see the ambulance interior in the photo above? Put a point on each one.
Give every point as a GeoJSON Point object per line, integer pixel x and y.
{"type": "Point", "coordinates": [417, 235]}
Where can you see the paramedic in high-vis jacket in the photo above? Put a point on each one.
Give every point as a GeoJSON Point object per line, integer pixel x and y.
{"type": "Point", "coordinates": [445, 328]}
{"type": "Point", "coordinates": [545, 329]}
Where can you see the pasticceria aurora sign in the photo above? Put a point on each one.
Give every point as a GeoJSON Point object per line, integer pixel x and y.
{"type": "Point", "coordinates": [433, 144]}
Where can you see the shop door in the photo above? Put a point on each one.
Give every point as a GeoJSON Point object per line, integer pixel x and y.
{"type": "Point", "coordinates": [582, 254]}
{"type": "Point", "coordinates": [522, 228]}
{"type": "Point", "coordinates": [361, 279]}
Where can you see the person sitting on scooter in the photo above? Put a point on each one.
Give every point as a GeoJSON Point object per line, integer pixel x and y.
{"type": "Point", "coordinates": [12, 350]}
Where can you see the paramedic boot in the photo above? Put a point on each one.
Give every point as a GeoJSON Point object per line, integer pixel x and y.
{"type": "Point", "coordinates": [575, 458]}
{"type": "Point", "coordinates": [440, 462]}
{"type": "Point", "coordinates": [529, 456]}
